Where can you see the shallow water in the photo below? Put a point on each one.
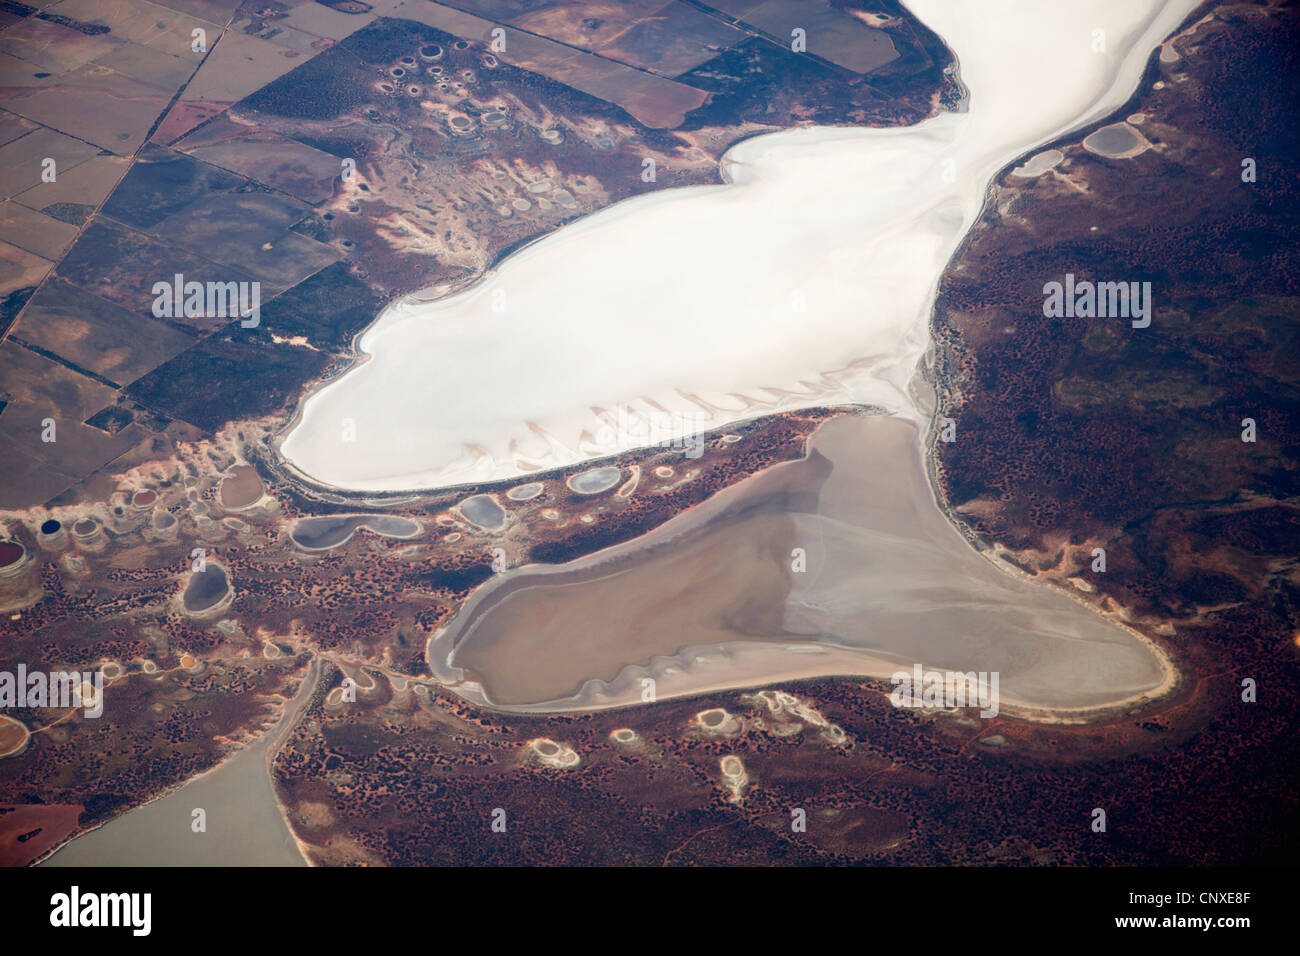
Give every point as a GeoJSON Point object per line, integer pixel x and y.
{"type": "Point", "coordinates": [1113, 140]}
{"type": "Point", "coordinates": [595, 481]}
{"type": "Point", "coordinates": [484, 512]}
{"type": "Point", "coordinates": [836, 564]}
{"type": "Point", "coordinates": [206, 588]}
{"type": "Point", "coordinates": [525, 492]}
{"type": "Point", "coordinates": [331, 531]}
{"type": "Point", "coordinates": [244, 825]}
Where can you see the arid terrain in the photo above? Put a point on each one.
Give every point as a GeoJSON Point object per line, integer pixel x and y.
{"type": "Point", "coordinates": [343, 154]}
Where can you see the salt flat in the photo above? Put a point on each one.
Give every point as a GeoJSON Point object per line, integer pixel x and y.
{"type": "Point", "coordinates": [808, 278]}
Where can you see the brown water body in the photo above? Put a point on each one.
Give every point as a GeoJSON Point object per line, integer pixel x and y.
{"type": "Point", "coordinates": [245, 826]}
{"type": "Point", "coordinates": [240, 488]}
{"type": "Point", "coordinates": [711, 600]}
{"type": "Point", "coordinates": [13, 736]}
{"type": "Point", "coordinates": [10, 553]}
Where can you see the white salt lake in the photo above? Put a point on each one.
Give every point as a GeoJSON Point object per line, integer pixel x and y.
{"type": "Point", "coordinates": [807, 278]}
